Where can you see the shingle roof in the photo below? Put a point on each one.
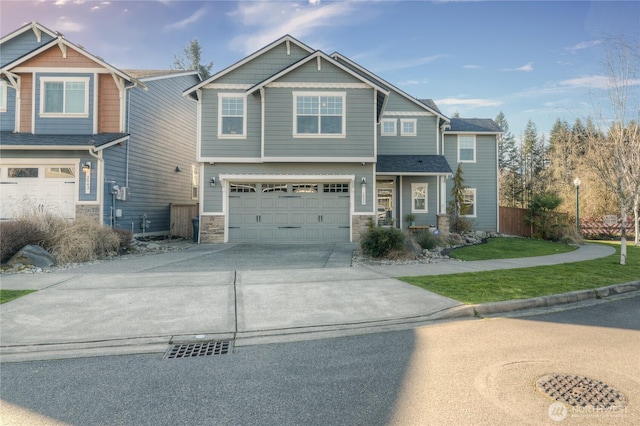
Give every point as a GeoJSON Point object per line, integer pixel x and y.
{"type": "Point", "coordinates": [431, 104]}
{"type": "Point", "coordinates": [478, 125]}
{"type": "Point", "coordinates": [8, 139]}
{"type": "Point", "coordinates": [421, 164]}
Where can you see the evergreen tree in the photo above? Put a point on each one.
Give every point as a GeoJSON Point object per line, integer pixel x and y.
{"type": "Point", "coordinates": [457, 208]}
{"type": "Point", "coordinates": [191, 60]}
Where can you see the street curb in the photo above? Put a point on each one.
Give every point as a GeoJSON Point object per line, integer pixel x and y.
{"type": "Point", "coordinates": [488, 309]}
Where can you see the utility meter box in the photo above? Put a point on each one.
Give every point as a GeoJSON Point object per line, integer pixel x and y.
{"type": "Point", "coordinates": [122, 193]}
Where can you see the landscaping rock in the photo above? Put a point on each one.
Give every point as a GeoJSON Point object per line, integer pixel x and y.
{"type": "Point", "coordinates": [33, 256]}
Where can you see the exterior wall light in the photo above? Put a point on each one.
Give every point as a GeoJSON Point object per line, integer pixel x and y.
{"type": "Point", "coordinates": [212, 181]}
{"type": "Point", "coordinates": [86, 167]}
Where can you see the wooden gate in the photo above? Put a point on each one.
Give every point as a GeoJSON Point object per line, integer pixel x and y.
{"type": "Point", "coordinates": [181, 215]}
{"type": "Point", "coordinates": [512, 222]}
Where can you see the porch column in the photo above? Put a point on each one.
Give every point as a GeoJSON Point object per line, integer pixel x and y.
{"type": "Point", "coordinates": [443, 195]}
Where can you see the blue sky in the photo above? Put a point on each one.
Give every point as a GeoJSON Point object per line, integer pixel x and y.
{"type": "Point", "coordinates": [537, 60]}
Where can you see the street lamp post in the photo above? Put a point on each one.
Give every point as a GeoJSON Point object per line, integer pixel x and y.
{"type": "Point", "coordinates": [576, 183]}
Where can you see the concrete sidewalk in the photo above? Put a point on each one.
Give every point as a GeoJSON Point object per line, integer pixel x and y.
{"type": "Point", "coordinates": [89, 314]}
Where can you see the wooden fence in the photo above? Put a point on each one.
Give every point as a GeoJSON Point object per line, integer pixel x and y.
{"type": "Point", "coordinates": [181, 215]}
{"type": "Point", "coordinates": [607, 227]}
{"type": "Point", "coordinates": [512, 222]}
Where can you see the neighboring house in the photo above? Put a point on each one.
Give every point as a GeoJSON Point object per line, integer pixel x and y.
{"type": "Point", "coordinates": [81, 138]}
{"type": "Point", "coordinates": [297, 145]}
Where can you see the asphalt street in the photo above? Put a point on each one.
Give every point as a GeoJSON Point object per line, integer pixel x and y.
{"type": "Point", "coordinates": [473, 372]}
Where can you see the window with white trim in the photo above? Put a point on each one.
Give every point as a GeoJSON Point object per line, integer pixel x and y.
{"type": "Point", "coordinates": [232, 114]}
{"type": "Point", "coordinates": [469, 202]}
{"type": "Point", "coordinates": [3, 96]}
{"type": "Point", "coordinates": [195, 181]}
{"type": "Point", "coordinates": [64, 96]}
{"type": "Point", "coordinates": [408, 127]}
{"type": "Point", "coordinates": [319, 114]}
{"type": "Point", "coordinates": [419, 193]}
{"type": "Point", "coordinates": [466, 148]}
{"type": "Point", "coordinates": [388, 127]}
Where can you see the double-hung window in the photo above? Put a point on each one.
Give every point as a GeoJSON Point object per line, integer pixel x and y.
{"type": "Point", "coordinates": [232, 117]}
{"type": "Point", "coordinates": [408, 127]}
{"type": "Point", "coordinates": [419, 193]}
{"type": "Point", "coordinates": [319, 114]}
{"type": "Point", "coordinates": [466, 149]}
{"type": "Point", "coordinates": [3, 96]}
{"type": "Point", "coordinates": [469, 202]}
{"type": "Point", "coordinates": [388, 127]}
{"type": "Point", "coordinates": [64, 96]}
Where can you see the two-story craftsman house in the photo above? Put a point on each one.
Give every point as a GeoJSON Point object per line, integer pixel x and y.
{"type": "Point", "coordinates": [298, 145]}
{"type": "Point", "coordinates": [81, 138]}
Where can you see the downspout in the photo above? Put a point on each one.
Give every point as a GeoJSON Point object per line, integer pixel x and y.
{"type": "Point", "coordinates": [262, 106]}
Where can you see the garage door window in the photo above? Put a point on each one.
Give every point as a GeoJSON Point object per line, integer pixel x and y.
{"type": "Point", "coordinates": [59, 172]}
{"type": "Point", "coordinates": [242, 187]}
{"type": "Point", "coordinates": [336, 187]}
{"type": "Point", "coordinates": [274, 187]}
{"type": "Point", "coordinates": [22, 172]}
{"type": "Point", "coordinates": [305, 188]}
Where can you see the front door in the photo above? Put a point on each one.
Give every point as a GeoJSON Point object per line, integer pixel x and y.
{"type": "Point", "coordinates": [385, 201]}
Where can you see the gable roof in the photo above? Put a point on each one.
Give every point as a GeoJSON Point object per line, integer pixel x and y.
{"type": "Point", "coordinates": [34, 26]}
{"type": "Point", "coordinates": [285, 39]}
{"type": "Point", "coordinates": [473, 125]}
{"type": "Point", "coordinates": [315, 55]}
{"type": "Point", "coordinates": [429, 106]}
{"type": "Point", "coordinates": [413, 165]}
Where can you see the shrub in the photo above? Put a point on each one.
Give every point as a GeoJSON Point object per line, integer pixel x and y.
{"type": "Point", "coordinates": [126, 239]}
{"type": "Point", "coordinates": [378, 241]}
{"type": "Point", "coordinates": [85, 240]}
{"type": "Point", "coordinates": [16, 234]}
{"type": "Point", "coordinates": [426, 239]}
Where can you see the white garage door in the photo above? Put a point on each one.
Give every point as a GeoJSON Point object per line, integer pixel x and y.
{"type": "Point", "coordinates": [289, 212]}
{"type": "Point", "coordinates": [37, 189]}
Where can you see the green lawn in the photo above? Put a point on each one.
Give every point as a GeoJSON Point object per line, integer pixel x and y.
{"type": "Point", "coordinates": [493, 286]}
{"type": "Point", "coordinates": [509, 248]}
{"type": "Point", "coordinates": [9, 295]}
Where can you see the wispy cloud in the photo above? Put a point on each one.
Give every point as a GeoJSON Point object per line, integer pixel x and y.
{"type": "Point", "coordinates": [528, 67]}
{"type": "Point", "coordinates": [596, 82]}
{"type": "Point", "coordinates": [411, 63]}
{"type": "Point", "coordinates": [268, 21]}
{"type": "Point", "coordinates": [64, 2]}
{"type": "Point", "coordinates": [583, 45]}
{"type": "Point", "coordinates": [471, 67]}
{"type": "Point", "coordinates": [413, 82]}
{"type": "Point", "coordinates": [195, 17]}
{"type": "Point", "coordinates": [65, 25]}
{"type": "Point", "coordinates": [473, 103]}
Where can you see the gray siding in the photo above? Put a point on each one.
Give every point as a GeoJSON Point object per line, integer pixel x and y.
{"type": "Point", "coordinates": [359, 139]}
{"type": "Point", "coordinates": [8, 118]}
{"type": "Point", "coordinates": [265, 65]}
{"type": "Point", "coordinates": [163, 136]}
{"type": "Point", "coordinates": [63, 126]}
{"type": "Point", "coordinates": [424, 143]}
{"type": "Point", "coordinates": [213, 195]}
{"type": "Point", "coordinates": [429, 218]}
{"type": "Point", "coordinates": [481, 175]}
{"type": "Point", "coordinates": [20, 45]}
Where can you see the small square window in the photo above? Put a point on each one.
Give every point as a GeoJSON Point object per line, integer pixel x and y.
{"type": "Point", "coordinates": [388, 127]}
{"type": "Point", "coordinates": [408, 127]}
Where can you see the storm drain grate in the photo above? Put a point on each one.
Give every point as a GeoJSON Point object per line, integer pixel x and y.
{"type": "Point", "coordinates": [189, 350]}
{"type": "Point", "coordinates": [580, 391]}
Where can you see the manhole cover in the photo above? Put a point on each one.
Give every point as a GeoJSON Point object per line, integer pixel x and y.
{"type": "Point", "coordinates": [188, 350]}
{"type": "Point", "coordinates": [579, 391]}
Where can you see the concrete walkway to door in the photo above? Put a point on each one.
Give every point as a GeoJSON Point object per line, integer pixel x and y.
{"type": "Point", "coordinates": [248, 293]}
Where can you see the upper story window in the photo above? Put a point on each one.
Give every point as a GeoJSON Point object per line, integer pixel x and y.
{"type": "Point", "coordinates": [3, 96]}
{"type": "Point", "coordinates": [232, 117]}
{"type": "Point", "coordinates": [64, 96]}
{"type": "Point", "coordinates": [318, 114]}
{"type": "Point", "coordinates": [388, 127]}
{"type": "Point", "coordinates": [466, 149]}
{"type": "Point", "coordinates": [408, 127]}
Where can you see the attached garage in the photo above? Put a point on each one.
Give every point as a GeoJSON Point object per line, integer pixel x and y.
{"type": "Point", "coordinates": [27, 189]}
{"type": "Point", "coordinates": [289, 212]}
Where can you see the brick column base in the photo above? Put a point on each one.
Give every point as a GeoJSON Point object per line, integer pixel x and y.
{"type": "Point", "coordinates": [211, 229]}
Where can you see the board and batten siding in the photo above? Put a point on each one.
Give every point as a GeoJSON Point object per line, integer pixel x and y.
{"type": "Point", "coordinates": [481, 175]}
{"type": "Point", "coordinates": [162, 125]}
{"type": "Point", "coordinates": [282, 172]}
